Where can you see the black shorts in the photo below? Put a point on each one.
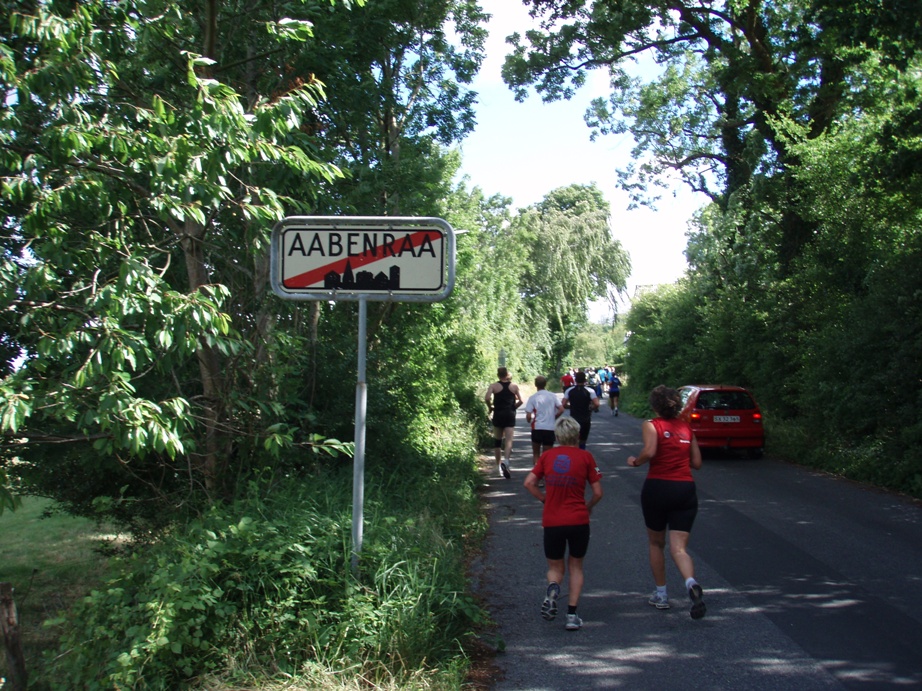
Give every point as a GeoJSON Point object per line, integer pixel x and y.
{"type": "Point", "coordinates": [558, 537]}
{"type": "Point", "coordinates": [545, 437]}
{"type": "Point", "coordinates": [503, 418]}
{"type": "Point", "coordinates": [669, 503]}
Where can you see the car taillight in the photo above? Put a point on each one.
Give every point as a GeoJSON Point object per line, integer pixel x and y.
{"type": "Point", "coordinates": [757, 418]}
{"type": "Point", "coordinates": [695, 417]}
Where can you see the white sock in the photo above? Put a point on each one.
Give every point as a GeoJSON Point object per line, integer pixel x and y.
{"type": "Point", "coordinates": [689, 582]}
{"type": "Point", "coordinates": [661, 590]}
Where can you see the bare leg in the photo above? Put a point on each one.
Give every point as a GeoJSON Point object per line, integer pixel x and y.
{"type": "Point", "coordinates": [657, 541]}
{"type": "Point", "coordinates": [508, 436]}
{"type": "Point", "coordinates": [555, 571]}
{"type": "Point", "coordinates": [576, 580]}
{"type": "Point", "coordinates": [678, 542]}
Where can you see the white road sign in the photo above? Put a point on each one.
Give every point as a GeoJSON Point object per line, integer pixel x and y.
{"type": "Point", "coordinates": [378, 258]}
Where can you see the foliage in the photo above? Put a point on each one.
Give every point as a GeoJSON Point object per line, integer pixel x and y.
{"type": "Point", "coordinates": [729, 77]}
{"type": "Point", "coordinates": [129, 360]}
{"type": "Point", "coordinates": [599, 345]}
{"type": "Point", "coordinates": [586, 263]}
{"type": "Point", "coordinates": [827, 347]}
{"type": "Point", "coordinates": [262, 586]}
{"type": "Point", "coordinates": [663, 328]}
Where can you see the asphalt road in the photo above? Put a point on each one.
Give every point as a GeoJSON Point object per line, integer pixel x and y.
{"type": "Point", "coordinates": [811, 582]}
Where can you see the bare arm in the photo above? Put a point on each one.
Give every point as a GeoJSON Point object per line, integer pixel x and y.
{"type": "Point", "coordinates": [518, 396]}
{"type": "Point", "coordinates": [531, 484]}
{"type": "Point", "coordinates": [488, 399]}
{"type": "Point", "coordinates": [596, 494]}
{"type": "Point", "coordinates": [695, 454]}
{"type": "Point", "coordinates": [648, 434]}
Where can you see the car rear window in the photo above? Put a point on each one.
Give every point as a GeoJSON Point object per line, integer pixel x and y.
{"type": "Point", "coordinates": [724, 400]}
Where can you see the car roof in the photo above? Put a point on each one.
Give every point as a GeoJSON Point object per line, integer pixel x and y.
{"type": "Point", "coordinates": [712, 387]}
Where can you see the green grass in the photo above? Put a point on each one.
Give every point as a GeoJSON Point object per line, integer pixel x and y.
{"type": "Point", "coordinates": [51, 562]}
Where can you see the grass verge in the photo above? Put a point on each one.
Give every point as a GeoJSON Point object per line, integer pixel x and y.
{"type": "Point", "coordinates": [51, 561]}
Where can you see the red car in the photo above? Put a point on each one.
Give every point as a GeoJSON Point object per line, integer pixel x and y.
{"type": "Point", "coordinates": [724, 417]}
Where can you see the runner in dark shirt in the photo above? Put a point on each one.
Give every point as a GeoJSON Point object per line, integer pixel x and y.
{"type": "Point", "coordinates": [502, 399]}
{"type": "Point", "coordinates": [582, 402]}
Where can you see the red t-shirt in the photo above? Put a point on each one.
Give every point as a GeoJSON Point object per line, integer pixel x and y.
{"type": "Point", "coordinates": [673, 451]}
{"type": "Point", "coordinates": [566, 471]}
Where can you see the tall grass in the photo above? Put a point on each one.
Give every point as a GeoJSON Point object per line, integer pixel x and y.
{"type": "Point", "coordinates": [261, 590]}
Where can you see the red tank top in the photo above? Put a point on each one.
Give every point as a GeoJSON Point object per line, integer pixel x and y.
{"type": "Point", "coordinates": [673, 451]}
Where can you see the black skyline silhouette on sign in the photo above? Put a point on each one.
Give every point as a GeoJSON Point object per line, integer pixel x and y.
{"type": "Point", "coordinates": [363, 280]}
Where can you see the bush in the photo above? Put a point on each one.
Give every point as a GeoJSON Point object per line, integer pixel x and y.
{"type": "Point", "coordinates": [264, 587]}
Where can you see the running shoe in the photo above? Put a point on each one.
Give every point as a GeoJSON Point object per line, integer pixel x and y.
{"type": "Point", "coordinates": [698, 607]}
{"type": "Point", "coordinates": [549, 606]}
{"type": "Point", "coordinates": [504, 469]}
{"type": "Point", "coordinates": [659, 601]}
{"type": "Point", "coordinates": [574, 622]}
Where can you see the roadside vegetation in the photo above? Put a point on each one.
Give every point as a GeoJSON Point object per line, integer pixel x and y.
{"type": "Point", "coordinates": [800, 123]}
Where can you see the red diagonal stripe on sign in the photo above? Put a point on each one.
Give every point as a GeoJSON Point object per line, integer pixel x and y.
{"type": "Point", "coordinates": [339, 266]}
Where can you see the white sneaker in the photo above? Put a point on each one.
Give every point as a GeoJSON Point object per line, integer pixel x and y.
{"type": "Point", "coordinates": [659, 601]}
{"type": "Point", "coordinates": [574, 622]}
{"type": "Point", "coordinates": [504, 470]}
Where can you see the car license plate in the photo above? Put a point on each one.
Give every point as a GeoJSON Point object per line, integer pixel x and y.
{"type": "Point", "coordinates": [726, 418]}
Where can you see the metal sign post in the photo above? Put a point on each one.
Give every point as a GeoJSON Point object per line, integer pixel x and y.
{"type": "Point", "coordinates": [358, 460]}
{"type": "Point", "coordinates": [336, 258]}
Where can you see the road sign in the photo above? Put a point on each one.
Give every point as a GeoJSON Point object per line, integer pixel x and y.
{"type": "Point", "coordinates": [376, 258]}
{"type": "Point", "coordinates": [362, 258]}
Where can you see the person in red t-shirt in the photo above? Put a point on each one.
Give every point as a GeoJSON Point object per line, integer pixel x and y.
{"type": "Point", "coordinates": [566, 470]}
{"type": "Point", "coordinates": [567, 380]}
{"type": "Point", "coordinates": [669, 497]}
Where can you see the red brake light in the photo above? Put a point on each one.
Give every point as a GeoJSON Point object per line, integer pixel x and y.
{"type": "Point", "coordinates": [694, 417]}
{"type": "Point", "coordinates": [757, 418]}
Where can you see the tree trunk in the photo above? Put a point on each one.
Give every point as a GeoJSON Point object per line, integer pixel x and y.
{"type": "Point", "coordinates": [9, 626]}
{"type": "Point", "coordinates": [209, 366]}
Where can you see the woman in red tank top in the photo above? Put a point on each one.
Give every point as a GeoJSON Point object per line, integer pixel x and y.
{"type": "Point", "coordinates": [669, 498]}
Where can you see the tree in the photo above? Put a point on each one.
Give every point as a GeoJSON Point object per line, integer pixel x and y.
{"type": "Point", "coordinates": [572, 259]}
{"type": "Point", "coordinates": [732, 74]}
{"type": "Point", "coordinates": [129, 192]}
{"type": "Point", "coordinates": [401, 88]}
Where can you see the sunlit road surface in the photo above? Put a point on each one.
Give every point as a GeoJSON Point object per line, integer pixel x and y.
{"type": "Point", "coordinates": [811, 582]}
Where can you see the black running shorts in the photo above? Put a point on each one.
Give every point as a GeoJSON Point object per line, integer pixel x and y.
{"type": "Point", "coordinates": [669, 503]}
{"type": "Point", "coordinates": [558, 537]}
{"type": "Point", "coordinates": [545, 437]}
{"type": "Point", "coordinates": [503, 419]}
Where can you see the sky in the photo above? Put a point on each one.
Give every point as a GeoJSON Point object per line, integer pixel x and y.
{"type": "Point", "coordinates": [525, 150]}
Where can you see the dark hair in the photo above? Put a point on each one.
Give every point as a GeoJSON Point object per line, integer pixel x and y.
{"type": "Point", "coordinates": [666, 402]}
{"type": "Point", "coordinates": [580, 377]}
